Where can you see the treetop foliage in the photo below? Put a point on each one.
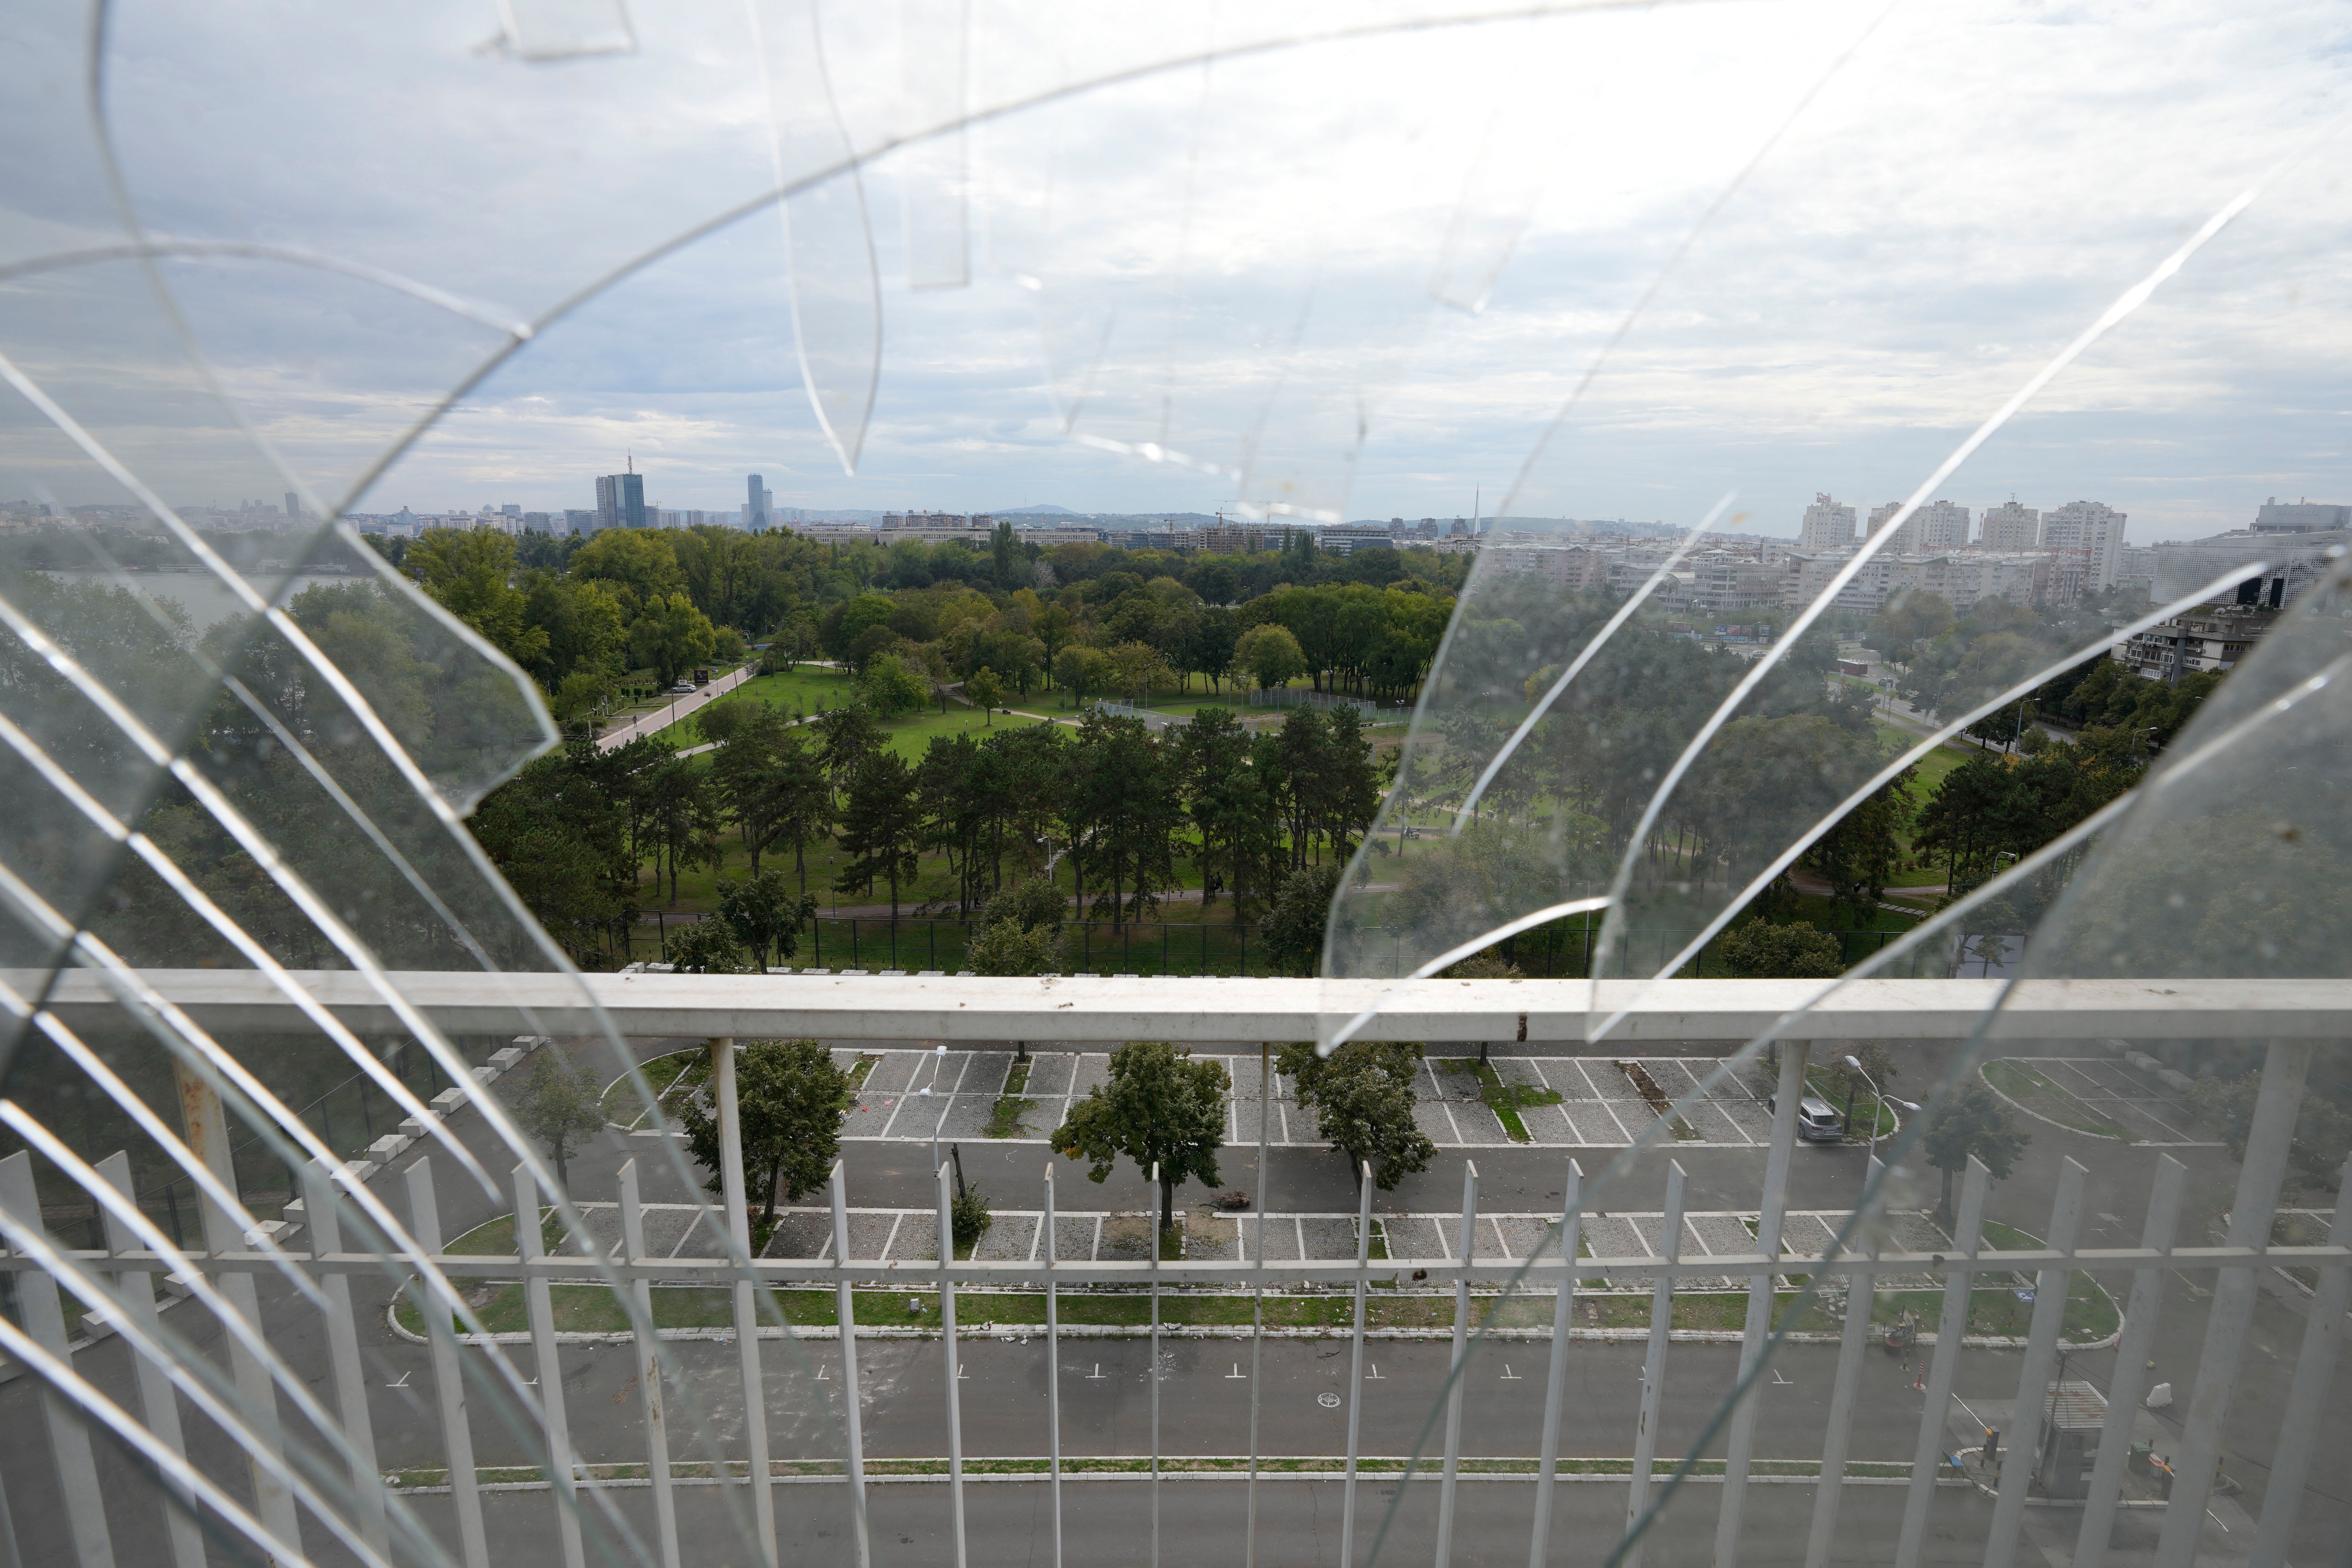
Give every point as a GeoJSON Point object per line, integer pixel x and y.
{"type": "Point", "coordinates": [1159, 1108]}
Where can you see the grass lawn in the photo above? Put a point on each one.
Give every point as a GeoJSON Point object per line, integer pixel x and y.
{"type": "Point", "coordinates": [2034, 1089]}
{"type": "Point", "coordinates": [1819, 911]}
{"type": "Point", "coordinates": [591, 1308]}
{"type": "Point", "coordinates": [2090, 1312]}
{"type": "Point", "coordinates": [1721, 1310]}
{"type": "Point", "coordinates": [1139, 1464]}
{"type": "Point", "coordinates": [1819, 1080]}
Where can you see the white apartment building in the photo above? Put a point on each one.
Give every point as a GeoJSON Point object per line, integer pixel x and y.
{"type": "Point", "coordinates": [2009, 526]}
{"type": "Point", "coordinates": [2092, 528]}
{"type": "Point", "coordinates": [1958, 577]}
{"type": "Point", "coordinates": [1723, 581]}
{"type": "Point", "coordinates": [1569, 565]}
{"type": "Point", "coordinates": [1938, 525]}
{"type": "Point", "coordinates": [1827, 525]}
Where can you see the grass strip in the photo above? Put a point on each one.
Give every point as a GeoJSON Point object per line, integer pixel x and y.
{"type": "Point", "coordinates": [1138, 1464]}
{"type": "Point", "coordinates": [1505, 1100]}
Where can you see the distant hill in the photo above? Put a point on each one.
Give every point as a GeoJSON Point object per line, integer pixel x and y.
{"type": "Point", "coordinates": [1041, 509]}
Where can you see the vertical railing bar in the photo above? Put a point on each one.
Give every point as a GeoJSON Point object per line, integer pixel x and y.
{"type": "Point", "coordinates": [1741, 1445]}
{"type": "Point", "coordinates": [1941, 1368]}
{"type": "Point", "coordinates": [325, 1224]}
{"type": "Point", "coordinates": [42, 1313]}
{"type": "Point", "coordinates": [948, 1345]}
{"type": "Point", "coordinates": [158, 1402]}
{"type": "Point", "coordinates": [844, 1311]}
{"type": "Point", "coordinates": [734, 1193]}
{"type": "Point", "coordinates": [2314, 1373]}
{"type": "Point", "coordinates": [562, 1474]}
{"type": "Point", "coordinates": [1861, 1298]}
{"type": "Point", "coordinates": [1563, 1319]}
{"type": "Point", "coordinates": [1151, 1374]}
{"type": "Point", "coordinates": [9, 1557]}
{"type": "Point", "coordinates": [2269, 1136]}
{"type": "Point", "coordinates": [1654, 1364]}
{"type": "Point", "coordinates": [1257, 1296]}
{"type": "Point", "coordinates": [649, 1379]}
{"type": "Point", "coordinates": [1356, 1363]}
{"type": "Point", "coordinates": [206, 1127]}
{"type": "Point", "coordinates": [448, 1379]}
{"type": "Point", "coordinates": [2049, 1288]}
{"type": "Point", "coordinates": [1052, 1364]}
{"type": "Point", "coordinates": [2141, 1313]}
{"type": "Point", "coordinates": [1459, 1369]}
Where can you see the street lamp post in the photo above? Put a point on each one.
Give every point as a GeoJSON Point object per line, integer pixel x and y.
{"type": "Point", "coordinates": [1878, 1098]}
{"type": "Point", "coordinates": [938, 1060]}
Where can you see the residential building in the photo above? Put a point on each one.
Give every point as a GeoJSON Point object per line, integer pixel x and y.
{"type": "Point", "coordinates": [2208, 637]}
{"type": "Point", "coordinates": [1805, 574]}
{"type": "Point", "coordinates": [1938, 525]}
{"type": "Point", "coordinates": [1827, 525]}
{"type": "Point", "coordinates": [2093, 528]}
{"type": "Point", "coordinates": [2009, 526]}
{"type": "Point", "coordinates": [1569, 565]}
{"type": "Point", "coordinates": [1723, 581]}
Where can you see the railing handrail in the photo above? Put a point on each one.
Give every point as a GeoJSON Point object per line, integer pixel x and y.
{"type": "Point", "coordinates": [1079, 1009]}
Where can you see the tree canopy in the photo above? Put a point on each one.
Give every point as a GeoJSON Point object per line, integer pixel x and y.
{"type": "Point", "coordinates": [1160, 1106]}
{"type": "Point", "coordinates": [790, 1099]}
{"type": "Point", "coordinates": [1362, 1097]}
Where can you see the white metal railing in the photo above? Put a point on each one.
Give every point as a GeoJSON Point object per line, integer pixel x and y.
{"type": "Point", "coordinates": [226, 1270]}
{"type": "Point", "coordinates": [1225, 1009]}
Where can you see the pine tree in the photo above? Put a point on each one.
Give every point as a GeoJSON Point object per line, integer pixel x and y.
{"type": "Point", "coordinates": [881, 828]}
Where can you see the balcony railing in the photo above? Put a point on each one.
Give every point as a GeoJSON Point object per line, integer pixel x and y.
{"type": "Point", "coordinates": [337, 1471]}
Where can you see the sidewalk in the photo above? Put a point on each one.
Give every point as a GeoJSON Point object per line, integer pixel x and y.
{"type": "Point", "coordinates": [663, 718]}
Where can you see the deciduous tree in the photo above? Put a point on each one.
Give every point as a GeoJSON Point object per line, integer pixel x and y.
{"type": "Point", "coordinates": [1160, 1106]}
{"type": "Point", "coordinates": [985, 689]}
{"type": "Point", "coordinates": [561, 1105]}
{"type": "Point", "coordinates": [790, 1099]}
{"type": "Point", "coordinates": [1362, 1097]}
{"type": "Point", "coordinates": [1971, 1121]}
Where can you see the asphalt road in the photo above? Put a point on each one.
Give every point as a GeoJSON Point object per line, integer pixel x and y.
{"type": "Point", "coordinates": [1204, 1402]}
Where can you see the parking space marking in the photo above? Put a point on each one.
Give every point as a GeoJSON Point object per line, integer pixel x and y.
{"type": "Point", "coordinates": [1588, 1110]}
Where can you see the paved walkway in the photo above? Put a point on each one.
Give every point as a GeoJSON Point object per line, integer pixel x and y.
{"type": "Point", "coordinates": [663, 718]}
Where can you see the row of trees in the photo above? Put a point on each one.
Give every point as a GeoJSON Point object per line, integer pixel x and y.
{"type": "Point", "coordinates": [574, 831]}
{"type": "Point", "coordinates": [1123, 634]}
{"type": "Point", "coordinates": [582, 614]}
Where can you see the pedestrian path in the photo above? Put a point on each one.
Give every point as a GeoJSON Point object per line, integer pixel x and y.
{"type": "Point", "coordinates": [663, 718]}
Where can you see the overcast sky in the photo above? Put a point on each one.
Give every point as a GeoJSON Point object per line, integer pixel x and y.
{"type": "Point", "coordinates": [1356, 278]}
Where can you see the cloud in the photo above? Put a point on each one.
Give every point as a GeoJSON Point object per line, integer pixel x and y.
{"type": "Point", "coordinates": [1236, 262]}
